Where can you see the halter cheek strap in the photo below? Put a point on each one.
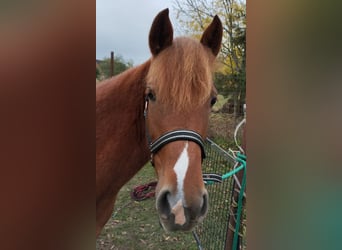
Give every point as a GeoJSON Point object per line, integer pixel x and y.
{"type": "Point", "coordinates": [176, 135]}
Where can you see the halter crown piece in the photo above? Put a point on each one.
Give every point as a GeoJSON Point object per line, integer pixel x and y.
{"type": "Point", "coordinates": [175, 135]}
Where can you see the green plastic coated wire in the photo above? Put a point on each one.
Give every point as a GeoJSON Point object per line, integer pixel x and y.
{"type": "Point", "coordinates": [229, 174]}
{"type": "Point", "coordinates": [242, 159]}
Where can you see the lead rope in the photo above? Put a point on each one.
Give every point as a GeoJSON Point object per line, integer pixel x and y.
{"type": "Point", "coordinates": [144, 192]}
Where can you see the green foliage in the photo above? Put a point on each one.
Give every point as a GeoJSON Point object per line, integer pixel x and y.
{"type": "Point", "coordinates": [97, 73]}
{"type": "Point", "coordinates": [120, 65]}
{"type": "Point", "coordinates": [195, 15]}
{"type": "Point", "coordinates": [219, 103]}
{"type": "Point", "coordinates": [231, 85]}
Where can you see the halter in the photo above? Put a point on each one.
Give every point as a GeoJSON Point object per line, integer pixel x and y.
{"type": "Point", "coordinates": [175, 135]}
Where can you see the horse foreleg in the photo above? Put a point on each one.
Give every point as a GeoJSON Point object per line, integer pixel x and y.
{"type": "Point", "coordinates": [104, 209]}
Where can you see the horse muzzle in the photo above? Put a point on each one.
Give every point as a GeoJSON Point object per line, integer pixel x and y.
{"type": "Point", "coordinates": [176, 215]}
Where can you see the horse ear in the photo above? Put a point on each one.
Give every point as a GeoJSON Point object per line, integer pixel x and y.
{"type": "Point", "coordinates": [161, 33]}
{"type": "Point", "coordinates": [212, 36]}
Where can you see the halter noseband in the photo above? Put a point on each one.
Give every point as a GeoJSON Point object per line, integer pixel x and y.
{"type": "Point", "coordinates": [175, 135]}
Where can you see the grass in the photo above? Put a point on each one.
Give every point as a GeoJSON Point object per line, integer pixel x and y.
{"type": "Point", "coordinates": [135, 225]}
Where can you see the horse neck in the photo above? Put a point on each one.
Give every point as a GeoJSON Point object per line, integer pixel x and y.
{"type": "Point", "coordinates": [120, 126]}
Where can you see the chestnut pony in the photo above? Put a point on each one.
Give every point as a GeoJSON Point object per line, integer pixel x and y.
{"type": "Point", "coordinates": [159, 111]}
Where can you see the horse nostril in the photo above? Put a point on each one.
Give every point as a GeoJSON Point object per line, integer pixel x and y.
{"type": "Point", "coordinates": [163, 205]}
{"type": "Point", "coordinates": [204, 208]}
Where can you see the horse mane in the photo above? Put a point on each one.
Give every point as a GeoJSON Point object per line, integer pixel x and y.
{"type": "Point", "coordinates": [181, 75]}
{"type": "Point", "coordinates": [122, 94]}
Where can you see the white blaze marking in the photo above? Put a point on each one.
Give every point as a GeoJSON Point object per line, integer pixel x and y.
{"type": "Point", "coordinates": [180, 168]}
{"type": "Point", "coordinates": [177, 202]}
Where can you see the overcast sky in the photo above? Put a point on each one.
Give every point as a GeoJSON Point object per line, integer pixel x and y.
{"type": "Point", "coordinates": [122, 26]}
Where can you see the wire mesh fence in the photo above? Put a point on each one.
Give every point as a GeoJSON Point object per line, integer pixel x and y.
{"type": "Point", "coordinates": [212, 233]}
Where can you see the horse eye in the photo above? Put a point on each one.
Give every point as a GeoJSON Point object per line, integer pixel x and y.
{"type": "Point", "coordinates": [213, 101]}
{"type": "Point", "coordinates": [151, 96]}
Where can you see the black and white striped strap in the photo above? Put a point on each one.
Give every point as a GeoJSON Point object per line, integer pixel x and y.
{"type": "Point", "coordinates": [177, 135]}
{"type": "Point", "coordinates": [207, 178]}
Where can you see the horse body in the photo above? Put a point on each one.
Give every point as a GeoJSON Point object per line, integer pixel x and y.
{"type": "Point", "coordinates": [121, 145]}
{"type": "Point", "coordinates": [175, 91]}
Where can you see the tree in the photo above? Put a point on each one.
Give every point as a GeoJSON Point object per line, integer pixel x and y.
{"type": "Point", "coordinates": [195, 15]}
{"type": "Point", "coordinates": [120, 65]}
{"type": "Point", "coordinates": [98, 72]}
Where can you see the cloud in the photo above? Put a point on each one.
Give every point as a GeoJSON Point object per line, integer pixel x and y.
{"type": "Point", "coordinates": [122, 26]}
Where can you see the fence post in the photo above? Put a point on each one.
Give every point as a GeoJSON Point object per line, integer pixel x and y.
{"type": "Point", "coordinates": [111, 63]}
{"type": "Point", "coordinates": [234, 208]}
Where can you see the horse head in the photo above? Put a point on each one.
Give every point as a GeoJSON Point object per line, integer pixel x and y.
{"type": "Point", "coordinates": [178, 99]}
